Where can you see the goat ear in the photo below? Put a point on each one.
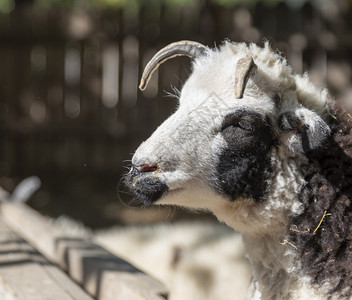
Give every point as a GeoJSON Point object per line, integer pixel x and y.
{"type": "Point", "coordinates": [244, 69]}
{"type": "Point", "coordinates": [302, 130]}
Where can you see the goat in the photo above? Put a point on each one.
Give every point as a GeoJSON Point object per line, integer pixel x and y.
{"type": "Point", "coordinates": [268, 153]}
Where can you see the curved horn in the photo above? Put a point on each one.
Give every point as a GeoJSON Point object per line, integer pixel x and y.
{"type": "Point", "coordinates": [181, 48]}
{"type": "Point", "coordinates": [244, 69]}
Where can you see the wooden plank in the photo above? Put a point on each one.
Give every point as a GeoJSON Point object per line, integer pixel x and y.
{"type": "Point", "coordinates": [105, 275]}
{"type": "Point", "coordinates": [131, 286]}
{"type": "Point", "coordinates": [27, 275]}
{"type": "Point", "coordinates": [102, 274]}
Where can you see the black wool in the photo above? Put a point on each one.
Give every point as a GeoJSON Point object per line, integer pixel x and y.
{"type": "Point", "coordinates": [323, 232]}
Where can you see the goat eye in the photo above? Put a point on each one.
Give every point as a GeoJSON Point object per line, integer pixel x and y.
{"type": "Point", "coordinates": [245, 125]}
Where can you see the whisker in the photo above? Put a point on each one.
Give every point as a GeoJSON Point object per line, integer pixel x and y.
{"type": "Point", "coordinates": [174, 94]}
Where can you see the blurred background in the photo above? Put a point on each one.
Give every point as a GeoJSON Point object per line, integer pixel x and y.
{"type": "Point", "coordinates": [70, 109]}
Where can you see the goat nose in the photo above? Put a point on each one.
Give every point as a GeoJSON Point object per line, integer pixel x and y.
{"type": "Point", "coordinates": [137, 170]}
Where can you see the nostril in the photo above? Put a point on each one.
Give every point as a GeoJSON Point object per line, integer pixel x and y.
{"type": "Point", "coordinates": [137, 170]}
{"type": "Point", "coordinates": [148, 168]}
{"type": "Point", "coordinates": [134, 171]}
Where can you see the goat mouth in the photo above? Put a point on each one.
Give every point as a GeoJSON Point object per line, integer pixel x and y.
{"type": "Point", "coordinates": [149, 190]}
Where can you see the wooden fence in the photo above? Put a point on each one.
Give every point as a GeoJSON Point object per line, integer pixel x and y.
{"type": "Point", "coordinates": [40, 261]}
{"type": "Point", "coordinates": [68, 78]}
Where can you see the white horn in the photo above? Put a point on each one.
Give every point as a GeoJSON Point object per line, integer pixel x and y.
{"type": "Point", "coordinates": [181, 48]}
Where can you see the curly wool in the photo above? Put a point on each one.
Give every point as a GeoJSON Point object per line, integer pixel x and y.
{"type": "Point", "coordinates": [326, 250]}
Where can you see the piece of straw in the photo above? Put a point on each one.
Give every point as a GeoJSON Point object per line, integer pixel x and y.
{"type": "Point", "coordinates": [321, 221]}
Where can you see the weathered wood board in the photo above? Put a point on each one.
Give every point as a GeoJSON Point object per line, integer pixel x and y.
{"type": "Point", "coordinates": [103, 275]}
{"type": "Point", "coordinates": [27, 275]}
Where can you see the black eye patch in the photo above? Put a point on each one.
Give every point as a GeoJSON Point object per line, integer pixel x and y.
{"type": "Point", "coordinates": [244, 164]}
